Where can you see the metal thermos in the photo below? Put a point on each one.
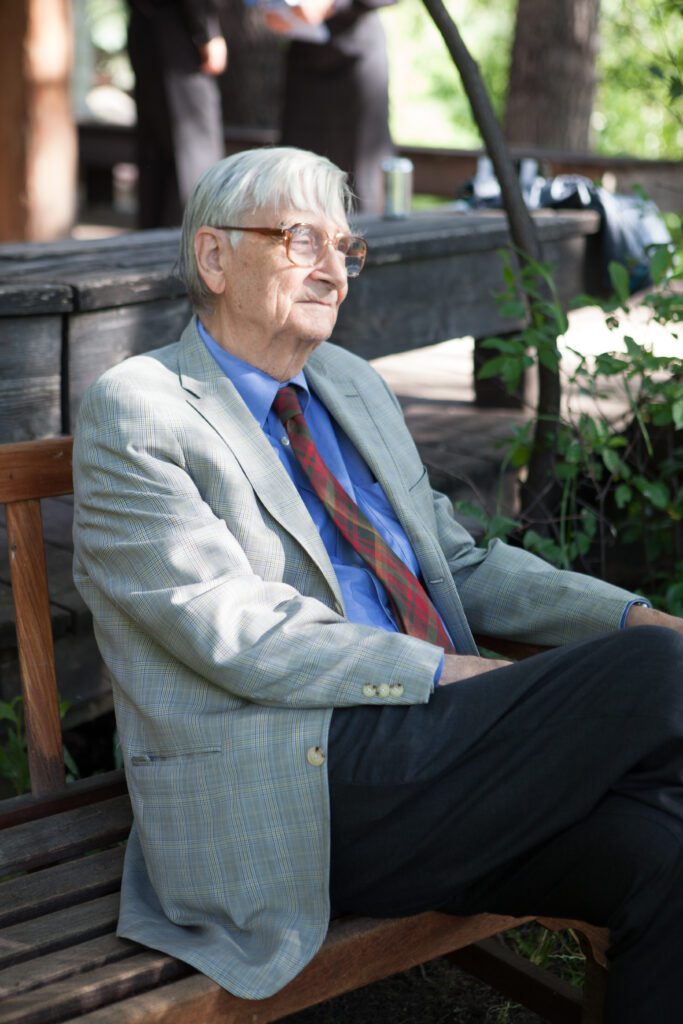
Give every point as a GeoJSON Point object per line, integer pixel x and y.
{"type": "Point", "coordinates": [398, 186]}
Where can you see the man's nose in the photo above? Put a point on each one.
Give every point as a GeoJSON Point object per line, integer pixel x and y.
{"type": "Point", "coordinates": [333, 264]}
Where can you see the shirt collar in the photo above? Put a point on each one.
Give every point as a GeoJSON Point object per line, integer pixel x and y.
{"type": "Point", "coordinates": [256, 388]}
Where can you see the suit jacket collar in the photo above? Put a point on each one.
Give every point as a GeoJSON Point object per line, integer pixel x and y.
{"type": "Point", "coordinates": [346, 402]}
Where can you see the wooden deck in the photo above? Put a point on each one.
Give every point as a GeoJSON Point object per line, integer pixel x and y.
{"type": "Point", "coordinates": [70, 310]}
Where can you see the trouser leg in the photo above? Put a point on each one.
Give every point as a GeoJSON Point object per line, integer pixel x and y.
{"type": "Point", "coordinates": [621, 867]}
{"type": "Point", "coordinates": [432, 803]}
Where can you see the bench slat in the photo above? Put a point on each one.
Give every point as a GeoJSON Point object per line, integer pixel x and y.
{"type": "Point", "coordinates": [357, 952]}
{"type": "Point", "coordinates": [48, 840]}
{"type": "Point", "coordinates": [64, 963]}
{"type": "Point", "coordinates": [81, 993]}
{"type": "Point", "coordinates": [17, 810]}
{"type": "Point", "coordinates": [30, 939]}
{"type": "Point", "coordinates": [43, 892]}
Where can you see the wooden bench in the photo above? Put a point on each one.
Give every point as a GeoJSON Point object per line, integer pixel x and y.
{"type": "Point", "coordinates": [61, 852]}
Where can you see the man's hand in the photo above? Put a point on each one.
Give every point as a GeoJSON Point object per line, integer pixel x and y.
{"type": "Point", "coordinates": [313, 12]}
{"type": "Point", "coordinates": [457, 667]}
{"type": "Point", "coordinates": [214, 56]}
{"type": "Point", "coordinates": [639, 615]}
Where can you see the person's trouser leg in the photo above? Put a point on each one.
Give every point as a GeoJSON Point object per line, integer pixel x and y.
{"type": "Point", "coordinates": [621, 867]}
{"type": "Point", "coordinates": [433, 803]}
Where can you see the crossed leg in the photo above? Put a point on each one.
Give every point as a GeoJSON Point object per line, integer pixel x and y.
{"type": "Point", "coordinates": [553, 787]}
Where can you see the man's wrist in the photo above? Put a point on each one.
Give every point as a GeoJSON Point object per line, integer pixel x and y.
{"type": "Point", "coordinates": [631, 616]}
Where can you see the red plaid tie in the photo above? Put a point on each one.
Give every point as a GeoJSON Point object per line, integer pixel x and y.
{"type": "Point", "coordinates": [414, 611]}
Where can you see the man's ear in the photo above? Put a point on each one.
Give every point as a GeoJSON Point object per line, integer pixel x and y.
{"type": "Point", "coordinates": [210, 246]}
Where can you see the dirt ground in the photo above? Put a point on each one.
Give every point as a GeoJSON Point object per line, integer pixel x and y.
{"type": "Point", "coordinates": [435, 993]}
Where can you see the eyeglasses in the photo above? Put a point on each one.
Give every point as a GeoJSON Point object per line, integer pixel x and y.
{"type": "Point", "coordinates": [305, 245]}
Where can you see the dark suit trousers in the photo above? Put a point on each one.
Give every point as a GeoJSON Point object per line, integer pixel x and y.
{"type": "Point", "coordinates": [336, 103]}
{"type": "Point", "coordinates": [551, 787]}
{"type": "Point", "coordinates": [179, 120]}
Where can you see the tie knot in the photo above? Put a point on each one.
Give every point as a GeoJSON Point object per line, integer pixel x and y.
{"type": "Point", "coordinates": [286, 403]}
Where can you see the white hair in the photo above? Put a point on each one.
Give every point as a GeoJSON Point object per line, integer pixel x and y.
{"type": "Point", "coordinates": [242, 184]}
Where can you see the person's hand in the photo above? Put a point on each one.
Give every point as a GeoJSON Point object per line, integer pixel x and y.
{"type": "Point", "coordinates": [457, 667]}
{"type": "Point", "coordinates": [214, 56]}
{"type": "Point", "coordinates": [314, 12]}
{"type": "Point", "coordinates": [276, 22]}
{"type": "Point", "coordinates": [639, 615]}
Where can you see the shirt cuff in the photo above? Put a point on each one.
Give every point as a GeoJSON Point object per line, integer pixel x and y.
{"type": "Point", "coordinates": [627, 609]}
{"type": "Point", "coordinates": [439, 670]}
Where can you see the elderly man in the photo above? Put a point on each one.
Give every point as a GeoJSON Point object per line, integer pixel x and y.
{"type": "Point", "coordinates": [284, 605]}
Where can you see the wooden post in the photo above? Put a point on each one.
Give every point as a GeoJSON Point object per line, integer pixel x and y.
{"type": "Point", "coordinates": [37, 131]}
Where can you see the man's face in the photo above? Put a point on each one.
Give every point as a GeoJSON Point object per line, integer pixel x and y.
{"type": "Point", "coordinates": [274, 300]}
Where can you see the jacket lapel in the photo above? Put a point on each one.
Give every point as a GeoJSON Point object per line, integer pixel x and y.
{"type": "Point", "coordinates": [352, 409]}
{"type": "Point", "coordinates": [346, 403]}
{"type": "Point", "coordinates": [216, 400]}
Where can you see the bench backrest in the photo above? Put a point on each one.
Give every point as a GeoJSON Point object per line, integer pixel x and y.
{"type": "Point", "coordinates": [29, 471]}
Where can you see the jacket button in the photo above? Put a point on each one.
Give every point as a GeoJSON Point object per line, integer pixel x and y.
{"type": "Point", "coordinates": [384, 689]}
{"type": "Point", "coordinates": [315, 756]}
{"type": "Point", "coordinates": [369, 690]}
{"type": "Point", "coordinates": [397, 689]}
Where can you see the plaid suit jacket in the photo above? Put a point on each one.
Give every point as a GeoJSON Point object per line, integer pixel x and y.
{"type": "Point", "coordinates": [220, 619]}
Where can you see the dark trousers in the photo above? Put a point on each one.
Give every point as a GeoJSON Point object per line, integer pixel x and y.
{"type": "Point", "coordinates": [553, 787]}
{"type": "Point", "coordinates": [179, 120]}
{"type": "Point", "coordinates": [336, 103]}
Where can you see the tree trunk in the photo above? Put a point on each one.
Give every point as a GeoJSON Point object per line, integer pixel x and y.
{"type": "Point", "coordinates": [37, 132]}
{"type": "Point", "coordinates": [537, 493]}
{"type": "Point", "coordinates": [552, 74]}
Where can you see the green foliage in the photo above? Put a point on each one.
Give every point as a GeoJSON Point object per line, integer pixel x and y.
{"type": "Point", "coordinates": [428, 102]}
{"type": "Point", "coordinates": [618, 475]}
{"type": "Point", "coordinates": [638, 107]}
{"type": "Point", "coordinates": [13, 752]}
{"type": "Point", "coordinates": [558, 952]}
{"type": "Point", "coordinates": [13, 758]}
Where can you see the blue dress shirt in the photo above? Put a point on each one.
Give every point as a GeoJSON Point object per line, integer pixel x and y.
{"type": "Point", "coordinates": [365, 598]}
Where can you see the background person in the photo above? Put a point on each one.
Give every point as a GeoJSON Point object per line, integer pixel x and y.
{"type": "Point", "coordinates": [284, 605]}
{"type": "Point", "coordinates": [336, 99]}
{"type": "Point", "coordinates": [176, 49]}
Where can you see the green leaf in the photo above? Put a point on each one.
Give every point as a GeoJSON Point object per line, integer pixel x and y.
{"type": "Point", "coordinates": [510, 346]}
{"type": "Point", "coordinates": [501, 526]}
{"type": "Point", "coordinates": [660, 263]}
{"type": "Point", "coordinates": [11, 712]}
{"type": "Point", "coordinates": [677, 413]}
{"type": "Point", "coordinates": [566, 471]}
{"type": "Point", "coordinates": [656, 492]}
{"type": "Point", "coordinates": [622, 495]}
{"type": "Point", "coordinates": [675, 88]}
{"type": "Point", "coordinates": [492, 367]}
{"type": "Point", "coordinates": [549, 357]}
{"type": "Point", "coordinates": [614, 463]}
{"type": "Point", "coordinates": [512, 309]}
{"type": "Point", "coordinates": [618, 275]}
{"type": "Point", "coordinates": [71, 765]}
{"type": "Point", "coordinates": [632, 347]}
{"type": "Point", "coordinates": [467, 508]}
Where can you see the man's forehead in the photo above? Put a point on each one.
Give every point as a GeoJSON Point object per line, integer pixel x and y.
{"type": "Point", "coordinates": [286, 216]}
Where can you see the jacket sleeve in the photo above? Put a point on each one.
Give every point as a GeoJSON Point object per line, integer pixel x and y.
{"type": "Point", "coordinates": [151, 553]}
{"type": "Point", "coordinates": [201, 18]}
{"type": "Point", "coordinates": [509, 592]}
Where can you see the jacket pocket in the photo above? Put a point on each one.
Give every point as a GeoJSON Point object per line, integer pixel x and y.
{"type": "Point", "coordinates": [166, 757]}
